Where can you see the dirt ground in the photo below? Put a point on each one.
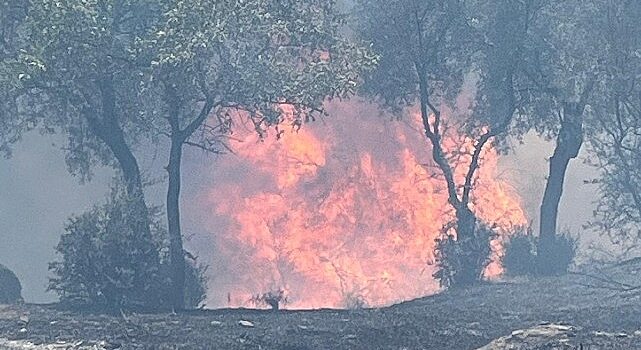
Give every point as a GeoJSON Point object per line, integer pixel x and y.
{"type": "Point", "coordinates": [550, 313]}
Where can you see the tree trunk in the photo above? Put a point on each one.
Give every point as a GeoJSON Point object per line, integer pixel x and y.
{"type": "Point", "coordinates": [108, 129]}
{"type": "Point", "coordinates": [465, 231]}
{"type": "Point", "coordinates": [176, 250]}
{"type": "Point", "coordinates": [178, 138]}
{"type": "Point", "coordinates": [569, 142]}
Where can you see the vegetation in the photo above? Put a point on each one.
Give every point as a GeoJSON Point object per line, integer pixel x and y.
{"type": "Point", "coordinates": [241, 59]}
{"type": "Point", "coordinates": [416, 40]}
{"type": "Point", "coordinates": [10, 287]}
{"type": "Point", "coordinates": [519, 257]}
{"type": "Point", "coordinates": [112, 75]}
{"type": "Point", "coordinates": [453, 259]}
{"type": "Point", "coordinates": [100, 254]}
{"type": "Point", "coordinates": [520, 254]}
{"type": "Point", "coordinates": [273, 299]}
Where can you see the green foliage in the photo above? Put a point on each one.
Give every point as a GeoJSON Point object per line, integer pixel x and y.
{"type": "Point", "coordinates": [82, 77]}
{"type": "Point", "coordinates": [434, 38]}
{"type": "Point", "coordinates": [105, 264]}
{"type": "Point", "coordinates": [112, 73]}
{"type": "Point", "coordinates": [519, 257]}
{"type": "Point", "coordinates": [616, 138]}
{"type": "Point", "coordinates": [564, 53]}
{"type": "Point", "coordinates": [13, 70]}
{"type": "Point", "coordinates": [462, 263]}
{"type": "Point", "coordinates": [249, 55]}
{"type": "Point", "coordinates": [252, 56]}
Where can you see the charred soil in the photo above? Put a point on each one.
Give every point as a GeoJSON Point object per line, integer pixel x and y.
{"type": "Point", "coordinates": [591, 313]}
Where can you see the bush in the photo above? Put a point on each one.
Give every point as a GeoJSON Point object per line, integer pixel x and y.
{"type": "Point", "coordinates": [195, 284]}
{"type": "Point", "coordinates": [555, 256]}
{"type": "Point", "coordinates": [10, 287]}
{"type": "Point", "coordinates": [519, 258]}
{"type": "Point", "coordinates": [461, 263]}
{"type": "Point", "coordinates": [106, 265]}
{"type": "Point", "coordinates": [525, 256]}
{"type": "Point", "coordinates": [273, 299]}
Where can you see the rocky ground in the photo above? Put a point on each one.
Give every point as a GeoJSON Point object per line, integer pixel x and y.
{"type": "Point", "coordinates": [601, 311]}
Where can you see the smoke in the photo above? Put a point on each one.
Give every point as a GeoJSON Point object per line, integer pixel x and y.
{"type": "Point", "coordinates": [37, 194]}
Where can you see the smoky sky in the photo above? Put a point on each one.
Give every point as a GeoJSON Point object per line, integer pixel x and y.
{"type": "Point", "coordinates": [37, 195]}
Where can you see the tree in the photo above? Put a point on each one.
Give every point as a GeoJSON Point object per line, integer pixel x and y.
{"type": "Point", "coordinates": [559, 79]}
{"type": "Point", "coordinates": [420, 43]}
{"type": "Point", "coordinates": [276, 62]}
{"type": "Point", "coordinates": [616, 132]}
{"type": "Point", "coordinates": [12, 14]}
{"type": "Point", "coordinates": [112, 73]}
{"type": "Point", "coordinates": [84, 86]}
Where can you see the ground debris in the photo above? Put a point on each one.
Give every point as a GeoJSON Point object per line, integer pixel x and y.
{"type": "Point", "coordinates": [246, 323]}
{"type": "Point", "coordinates": [497, 316]}
{"type": "Point", "coordinates": [557, 336]}
{"type": "Point", "coordinates": [550, 336]}
{"type": "Point", "coordinates": [6, 344]}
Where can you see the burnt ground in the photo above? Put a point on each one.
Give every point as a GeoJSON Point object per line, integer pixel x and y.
{"type": "Point", "coordinates": [574, 316]}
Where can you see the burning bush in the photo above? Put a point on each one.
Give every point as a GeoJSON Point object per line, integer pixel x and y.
{"type": "Point", "coordinates": [519, 258]}
{"type": "Point", "coordinates": [101, 262]}
{"type": "Point", "coordinates": [462, 262]}
{"type": "Point", "coordinates": [354, 301]}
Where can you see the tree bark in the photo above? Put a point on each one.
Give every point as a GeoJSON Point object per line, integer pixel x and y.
{"type": "Point", "coordinates": [466, 231]}
{"type": "Point", "coordinates": [178, 138]}
{"type": "Point", "coordinates": [176, 249]}
{"type": "Point", "coordinates": [107, 128]}
{"type": "Point", "coordinates": [568, 145]}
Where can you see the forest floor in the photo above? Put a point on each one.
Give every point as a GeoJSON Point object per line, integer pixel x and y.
{"type": "Point", "coordinates": [548, 313]}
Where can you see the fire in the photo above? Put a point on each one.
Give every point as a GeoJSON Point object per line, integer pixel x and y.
{"type": "Point", "coordinates": [344, 209]}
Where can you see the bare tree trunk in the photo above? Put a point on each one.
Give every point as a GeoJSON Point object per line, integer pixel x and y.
{"type": "Point", "coordinates": [568, 144]}
{"type": "Point", "coordinates": [178, 138]}
{"type": "Point", "coordinates": [176, 249]}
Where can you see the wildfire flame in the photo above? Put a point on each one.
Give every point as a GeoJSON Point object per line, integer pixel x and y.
{"type": "Point", "coordinates": [342, 210]}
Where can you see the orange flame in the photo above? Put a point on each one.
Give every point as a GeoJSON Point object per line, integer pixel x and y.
{"type": "Point", "coordinates": [343, 209]}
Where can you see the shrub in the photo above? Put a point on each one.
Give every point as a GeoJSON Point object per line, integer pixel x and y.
{"type": "Point", "coordinates": [555, 256]}
{"type": "Point", "coordinates": [519, 258]}
{"type": "Point", "coordinates": [105, 265]}
{"type": "Point", "coordinates": [461, 263]}
{"type": "Point", "coordinates": [273, 299]}
{"type": "Point", "coordinates": [10, 287]}
{"type": "Point", "coordinates": [195, 284]}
